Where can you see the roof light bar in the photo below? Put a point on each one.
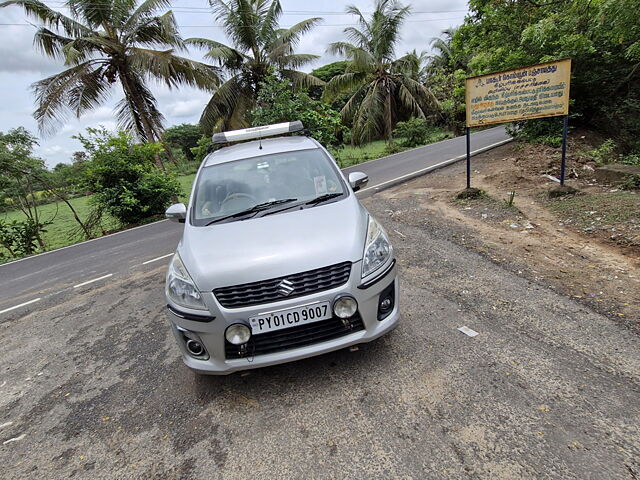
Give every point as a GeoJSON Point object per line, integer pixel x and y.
{"type": "Point", "coordinates": [257, 132]}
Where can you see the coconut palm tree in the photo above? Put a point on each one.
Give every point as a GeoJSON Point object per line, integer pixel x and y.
{"type": "Point", "coordinates": [259, 48]}
{"type": "Point", "coordinates": [444, 57]}
{"type": "Point", "coordinates": [416, 65]}
{"type": "Point", "coordinates": [379, 84]}
{"type": "Point", "coordinates": [104, 42]}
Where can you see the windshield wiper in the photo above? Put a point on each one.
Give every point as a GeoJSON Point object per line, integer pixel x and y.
{"type": "Point", "coordinates": [323, 198]}
{"type": "Point", "coordinates": [255, 209]}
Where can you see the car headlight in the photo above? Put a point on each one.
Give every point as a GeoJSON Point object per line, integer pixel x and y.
{"type": "Point", "coordinates": [180, 288]}
{"type": "Point", "coordinates": [377, 248]}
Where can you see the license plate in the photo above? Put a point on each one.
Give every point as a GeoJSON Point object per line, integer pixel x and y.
{"type": "Point", "coordinates": [291, 317]}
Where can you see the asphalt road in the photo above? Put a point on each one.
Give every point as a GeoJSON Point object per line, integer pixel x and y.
{"type": "Point", "coordinates": [91, 386]}
{"type": "Point", "coordinates": [43, 278]}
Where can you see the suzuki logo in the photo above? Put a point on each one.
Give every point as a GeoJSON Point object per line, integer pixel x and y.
{"type": "Point", "coordinates": [285, 288]}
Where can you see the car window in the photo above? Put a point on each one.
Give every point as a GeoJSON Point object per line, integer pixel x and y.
{"type": "Point", "coordinates": [235, 186]}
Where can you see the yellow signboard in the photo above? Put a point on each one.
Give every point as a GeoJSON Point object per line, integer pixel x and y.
{"type": "Point", "coordinates": [531, 92]}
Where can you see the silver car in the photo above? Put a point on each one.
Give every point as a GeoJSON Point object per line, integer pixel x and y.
{"type": "Point", "coordinates": [278, 260]}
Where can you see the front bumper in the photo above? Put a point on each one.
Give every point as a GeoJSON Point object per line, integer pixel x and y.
{"type": "Point", "coordinates": [211, 333]}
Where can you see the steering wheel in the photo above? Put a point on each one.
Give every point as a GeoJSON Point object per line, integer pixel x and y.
{"type": "Point", "coordinates": [237, 196]}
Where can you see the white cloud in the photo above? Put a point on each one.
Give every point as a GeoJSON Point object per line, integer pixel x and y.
{"type": "Point", "coordinates": [185, 108]}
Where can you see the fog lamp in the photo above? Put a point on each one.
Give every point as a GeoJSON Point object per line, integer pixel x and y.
{"type": "Point", "coordinates": [237, 334]}
{"type": "Point", "coordinates": [345, 307]}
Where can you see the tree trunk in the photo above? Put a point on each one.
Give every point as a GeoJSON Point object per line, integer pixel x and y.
{"type": "Point", "coordinates": [55, 192]}
{"type": "Point", "coordinates": [35, 217]}
{"type": "Point", "coordinates": [141, 120]}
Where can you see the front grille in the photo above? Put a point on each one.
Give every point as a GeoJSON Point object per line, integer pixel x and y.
{"type": "Point", "coordinates": [266, 291]}
{"type": "Point", "coordinates": [294, 337]}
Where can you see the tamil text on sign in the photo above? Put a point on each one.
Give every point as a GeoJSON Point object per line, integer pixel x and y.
{"type": "Point", "coordinates": [531, 92]}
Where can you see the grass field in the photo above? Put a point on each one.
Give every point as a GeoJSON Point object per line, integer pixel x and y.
{"type": "Point", "coordinates": [350, 155]}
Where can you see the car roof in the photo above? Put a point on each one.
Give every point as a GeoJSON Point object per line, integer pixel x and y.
{"type": "Point", "coordinates": [251, 149]}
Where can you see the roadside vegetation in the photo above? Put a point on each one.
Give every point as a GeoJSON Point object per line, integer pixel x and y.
{"type": "Point", "coordinates": [375, 101]}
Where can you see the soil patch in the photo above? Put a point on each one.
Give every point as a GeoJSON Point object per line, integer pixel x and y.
{"type": "Point", "coordinates": [586, 246]}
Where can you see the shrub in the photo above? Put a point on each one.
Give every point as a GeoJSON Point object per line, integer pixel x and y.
{"type": "Point", "coordinates": [545, 131]}
{"type": "Point", "coordinates": [604, 152]}
{"type": "Point", "coordinates": [414, 132]}
{"type": "Point", "coordinates": [631, 182]}
{"type": "Point", "coordinates": [20, 238]}
{"type": "Point", "coordinates": [392, 147]}
{"type": "Point", "coordinates": [633, 159]}
{"type": "Point", "coordinates": [124, 179]}
{"type": "Point", "coordinates": [277, 103]}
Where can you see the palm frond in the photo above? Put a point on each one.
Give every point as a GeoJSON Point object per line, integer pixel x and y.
{"type": "Point", "coordinates": [369, 120]}
{"type": "Point", "coordinates": [219, 53]}
{"type": "Point", "coordinates": [341, 48]}
{"type": "Point", "coordinates": [296, 60]}
{"type": "Point", "coordinates": [351, 107]}
{"type": "Point", "coordinates": [240, 22]}
{"type": "Point", "coordinates": [301, 80]}
{"type": "Point", "coordinates": [173, 70]}
{"type": "Point", "coordinates": [83, 48]}
{"type": "Point", "coordinates": [423, 95]}
{"type": "Point", "coordinates": [270, 20]}
{"type": "Point", "coordinates": [50, 43]}
{"type": "Point", "coordinates": [221, 111]}
{"type": "Point", "coordinates": [156, 31]}
{"type": "Point", "coordinates": [96, 13]}
{"type": "Point", "coordinates": [58, 95]}
{"type": "Point", "coordinates": [343, 83]}
{"type": "Point", "coordinates": [357, 36]}
{"type": "Point", "coordinates": [49, 17]}
{"type": "Point", "coordinates": [292, 34]}
{"type": "Point", "coordinates": [145, 11]}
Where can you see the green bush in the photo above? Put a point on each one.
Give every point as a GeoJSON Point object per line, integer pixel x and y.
{"type": "Point", "coordinates": [604, 153]}
{"type": "Point", "coordinates": [414, 132]}
{"type": "Point", "coordinates": [393, 147]}
{"type": "Point", "coordinates": [545, 131]}
{"type": "Point", "coordinates": [20, 238]}
{"type": "Point", "coordinates": [124, 179]}
{"type": "Point", "coordinates": [631, 182]}
{"type": "Point", "coordinates": [633, 159]}
{"type": "Point", "coordinates": [278, 103]}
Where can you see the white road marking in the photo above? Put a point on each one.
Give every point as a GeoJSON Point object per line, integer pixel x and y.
{"type": "Point", "coordinates": [156, 259]}
{"type": "Point", "coordinates": [21, 305]}
{"type": "Point", "coordinates": [94, 280]}
{"type": "Point", "coordinates": [15, 439]}
{"type": "Point", "coordinates": [437, 165]}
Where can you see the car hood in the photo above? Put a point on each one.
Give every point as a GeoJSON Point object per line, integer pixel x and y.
{"type": "Point", "coordinates": [272, 246]}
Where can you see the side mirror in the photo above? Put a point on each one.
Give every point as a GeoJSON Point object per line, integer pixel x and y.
{"type": "Point", "coordinates": [358, 180]}
{"type": "Point", "coordinates": [176, 213]}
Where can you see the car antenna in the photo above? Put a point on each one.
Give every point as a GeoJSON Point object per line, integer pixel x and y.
{"type": "Point", "coordinates": [260, 139]}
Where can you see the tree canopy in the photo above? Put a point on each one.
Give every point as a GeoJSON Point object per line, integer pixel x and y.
{"type": "Point", "coordinates": [259, 48]}
{"type": "Point", "coordinates": [602, 38]}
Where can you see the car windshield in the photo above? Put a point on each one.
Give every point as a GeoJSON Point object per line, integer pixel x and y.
{"type": "Point", "coordinates": [270, 182]}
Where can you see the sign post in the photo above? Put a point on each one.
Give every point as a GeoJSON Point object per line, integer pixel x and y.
{"type": "Point", "coordinates": [468, 158]}
{"type": "Point", "coordinates": [536, 91]}
{"type": "Point", "coordinates": [565, 131]}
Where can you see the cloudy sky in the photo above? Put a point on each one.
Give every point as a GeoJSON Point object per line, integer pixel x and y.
{"type": "Point", "coordinates": [21, 65]}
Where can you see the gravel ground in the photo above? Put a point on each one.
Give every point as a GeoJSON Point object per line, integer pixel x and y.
{"type": "Point", "coordinates": [92, 387]}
